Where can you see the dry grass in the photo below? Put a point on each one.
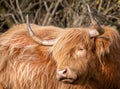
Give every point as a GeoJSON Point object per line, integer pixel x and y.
{"type": "Point", "coordinates": [62, 13]}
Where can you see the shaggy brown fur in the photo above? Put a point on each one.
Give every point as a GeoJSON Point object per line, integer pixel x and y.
{"type": "Point", "coordinates": [24, 64]}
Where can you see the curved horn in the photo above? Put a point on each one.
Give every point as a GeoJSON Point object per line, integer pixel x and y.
{"type": "Point", "coordinates": [36, 39]}
{"type": "Point", "coordinates": [94, 23]}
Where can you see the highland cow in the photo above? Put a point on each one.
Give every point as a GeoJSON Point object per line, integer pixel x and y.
{"type": "Point", "coordinates": [56, 58]}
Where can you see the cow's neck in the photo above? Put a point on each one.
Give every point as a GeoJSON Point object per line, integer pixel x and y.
{"type": "Point", "coordinates": [107, 74]}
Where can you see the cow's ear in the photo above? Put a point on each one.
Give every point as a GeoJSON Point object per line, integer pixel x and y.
{"type": "Point", "coordinates": [102, 44]}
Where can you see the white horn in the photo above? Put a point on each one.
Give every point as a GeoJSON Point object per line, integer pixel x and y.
{"type": "Point", "coordinates": [93, 33]}
{"type": "Point", "coordinates": [37, 39]}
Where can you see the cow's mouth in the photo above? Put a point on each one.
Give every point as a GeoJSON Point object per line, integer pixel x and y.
{"type": "Point", "coordinates": [67, 80]}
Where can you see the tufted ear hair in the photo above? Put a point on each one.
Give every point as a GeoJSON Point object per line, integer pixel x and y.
{"type": "Point", "coordinates": [102, 44]}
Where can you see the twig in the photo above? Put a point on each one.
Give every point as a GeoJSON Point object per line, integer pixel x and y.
{"type": "Point", "coordinates": [24, 3]}
{"type": "Point", "coordinates": [13, 17]}
{"type": "Point", "coordinates": [110, 16]}
{"type": "Point", "coordinates": [20, 12]}
{"type": "Point", "coordinates": [48, 13]}
{"type": "Point", "coordinates": [108, 5]}
{"type": "Point", "coordinates": [30, 6]}
{"type": "Point", "coordinates": [103, 17]}
{"type": "Point", "coordinates": [109, 9]}
{"type": "Point", "coordinates": [36, 15]}
{"type": "Point", "coordinates": [53, 12]}
{"type": "Point", "coordinates": [7, 4]}
{"type": "Point", "coordinates": [12, 4]}
{"type": "Point", "coordinates": [100, 5]}
{"type": "Point", "coordinates": [45, 4]}
{"type": "Point", "coordinates": [11, 9]}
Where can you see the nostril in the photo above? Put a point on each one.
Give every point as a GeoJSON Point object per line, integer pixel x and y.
{"type": "Point", "coordinates": [62, 72]}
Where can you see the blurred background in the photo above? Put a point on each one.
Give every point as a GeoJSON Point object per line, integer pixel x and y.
{"type": "Point", "coordinates": [61, 13]}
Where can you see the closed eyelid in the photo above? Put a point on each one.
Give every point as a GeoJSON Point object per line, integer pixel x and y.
{"type": "Point", "coordinates": [80, 53]}
{"type": "Point", "coordinates": [80, 48]}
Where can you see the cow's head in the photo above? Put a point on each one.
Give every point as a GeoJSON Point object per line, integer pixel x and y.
{"type": "Point", "coordinates": [75, 52]}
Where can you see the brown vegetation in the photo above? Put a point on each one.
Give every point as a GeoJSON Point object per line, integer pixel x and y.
{"type": "Point", "coordinates": [62, 13]}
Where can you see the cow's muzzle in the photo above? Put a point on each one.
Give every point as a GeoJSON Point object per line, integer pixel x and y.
{"type": "Point", "coordinates": [65, 76]}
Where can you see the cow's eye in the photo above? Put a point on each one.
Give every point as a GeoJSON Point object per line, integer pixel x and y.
{"type": "Point", "coordinates": [81, 49]}
{"type": "Point", "coordinates": [80, 52]}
